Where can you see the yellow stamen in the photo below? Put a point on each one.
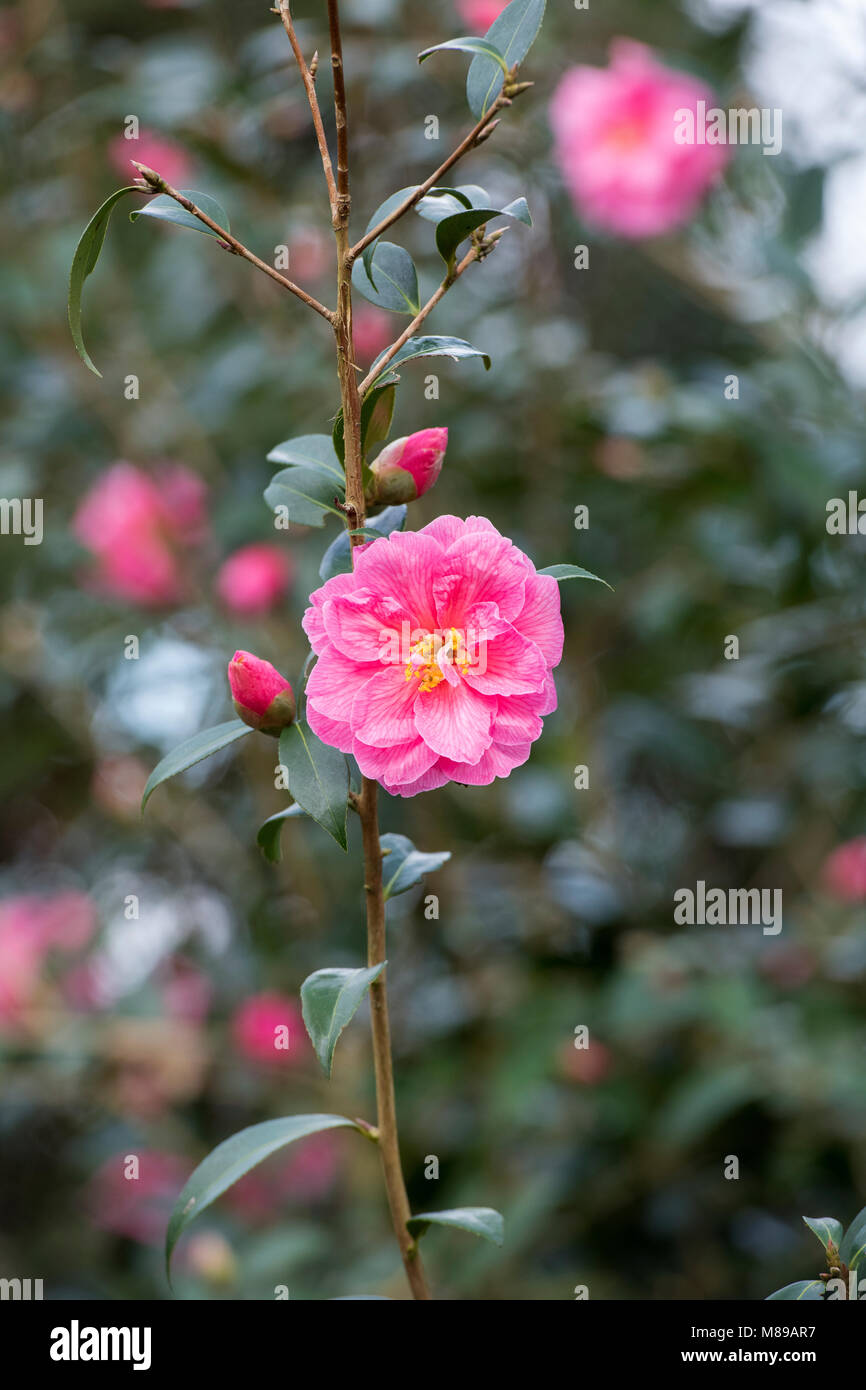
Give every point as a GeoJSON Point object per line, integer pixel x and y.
{"type": "Point", "coordinates": [424, 663]}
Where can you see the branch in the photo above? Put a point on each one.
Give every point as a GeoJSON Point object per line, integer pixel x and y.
{"type": "Point", "coordinates": [340, 109]}
{"type": "Point", "coordinates": [381, 1030]}
{"type": "Point", "coordinates": [483, 128]}
{"type": "Point", "coordinates": [476, 253]}
{"type": "Point", "coordinates": [308, 75]}
{"type": "Point", "coordinates": [157, 184]}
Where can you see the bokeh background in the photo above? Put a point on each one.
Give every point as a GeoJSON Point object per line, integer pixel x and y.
{"type": "Point", "coordinates": [124, 1036]}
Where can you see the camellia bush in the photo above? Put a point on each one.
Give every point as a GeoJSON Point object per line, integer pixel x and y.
{"type": "Point", "coordinates": [432, 651]}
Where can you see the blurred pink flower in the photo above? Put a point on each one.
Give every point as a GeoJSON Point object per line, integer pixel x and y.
{"type": "Point", "coordinates": [306, 1174]}
{"type": "Point", "coordinates": [310, 254]}
{"type": "Point", "coordinates": [372, 330]}
{"type": "Point", "coordinates": [844, 871]}
{"type": "Point", "coordinates": [258, 1029]}
{"type": "Point", "coordinates": [32, 925]}
{"type": "Point", "coordinates": [136, 526]}
{"type": "Point", "coordinates": [167, 158]}
{"type": "Point", "coordinates": [614, 141]}
{"type": "Point", "coordinates": [136, 1207]}
{"type": "Point", "coordinates": [254, 578]}
{"type": "Point", "coordinates": [186, 991]}
{"type": "Point", "coordinates": [480, 14]}
{"type": "Point", "coordinates": [435, 656]}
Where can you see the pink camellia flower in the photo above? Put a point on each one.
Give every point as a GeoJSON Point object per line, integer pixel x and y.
{"type": "Point", "coordinates": [132, 1194]}
{"type": "Point", "coordinates": [480, 14]}
{"type": "Point", "coordinates": [164, 156]}
{"type": "Point", "coordinates": [614, 131]}
{"type": "Point", "coordinates": [408, 467]}
{"type": "Point", "coordinates": [269, 1028]}
{"type": "Point", "coordinates": [253, 579]}
{"type": "Point", "coordinates": [262, 697]}
{"type": "Point", "coordinates": [845, 871]}
{"type": "Point", "coordinates": [371, 328]}
{"type": "Point", "coordinates": [435, 656]}
{"type": "Point", "coordinates": [136, 525]}
{"type": "Point", "coordinates": [31, 926]}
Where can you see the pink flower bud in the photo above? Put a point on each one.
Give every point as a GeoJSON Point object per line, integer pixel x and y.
{"type": "Point", "coordinates": [253, 579]}
{"type": "Point", "coordinates": [262, 697]}
{"type": "Point", "coordinates": [408, 467]}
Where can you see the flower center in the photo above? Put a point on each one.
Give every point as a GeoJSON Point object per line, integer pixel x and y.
{"type": "Point", "coordinates": [434, 651]}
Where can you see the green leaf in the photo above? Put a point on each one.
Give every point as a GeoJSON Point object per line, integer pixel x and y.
{"type": "Point", "coordinates": [306, 493]}
{"type": "Point", "coordinates": [852, 1251]}
{"type": "Point", "coordinates": [83, 263]}
{"type": "Point", "coordinates": [193, 751]}
{"type": "Point", "coordinates": [809, 1289]}
{"type": "Point", "coordinates": [391, 280]}
{"type": "Point", "coordinates": [560, 572]}
{"type": "Point", "coordinates": [235, 1157]}
{"type": "Point", "coordinates": [318, 778]}
{"type": "Point", "coordinates": [404, 865]}
{"type": "Point", "coordinates": [165, 209]}
{"type": "Point", "coordinates": [384, 210]}
{"type": "Point", "coordinates": [479, 1221]}
{"type": "Point", "coordinates": [454, 198]}
{"type": "Point", "coordinates": [329, 999]}
{"type": "Point", "coordinates": [377, 412]}
{"type": "Point", "coordinates": [270, 833]}
{"type": "Point", "coordinates": [826, 1228]}
{"type": "Point", "coordinates": [452, 230]}
{"type": "Point", "coordinates": [337, 559]}
{"type": "Point", "coordinates": [468, 45]}
{"type": "Point", "coordinates": [444, 202]}
{"type": "Point", "coordinates": [308, 451]}
{"type": "Point", "coordinates": [456, 348]}
{"type": "Point", "coordinates": [513, 33]}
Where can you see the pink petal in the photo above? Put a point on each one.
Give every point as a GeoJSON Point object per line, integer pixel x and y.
{"type": "Point", "coordinates": [427, 782]}
{"type": "Point", "coordinates": [334, 682]}
{"type": "Point", "coordinates": [444, 529]}
{"type": "Point", "coordinates": [516, 721]}
{"type": "Point", "coordinates": [361, 624]}
{"type": "Point", "coordinates": [404, 566]}
{"type": "Point", "coordinates": [455, 721]}
{"type": "Point", "coordinates": [382, 708]}
{"type": "Point", "coordinates": [507, 662]}
{"type": "Point", "coordinates": [540, 618]}
{"type": "Point", "coordinates": [545, 701]}
{"type": "Point", "coordinates": [498, 761]}
{"type": "Point", "coordinates": [480, 567]}
{"type": "Point", "coordinates": [404, 763]}
{"type": "Point", "coordinates": [335, 732]}
{"type": "Point", "coordinates": [313, 621]}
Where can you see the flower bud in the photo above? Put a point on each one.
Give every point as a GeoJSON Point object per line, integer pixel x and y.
{"type": "Point", "coordinates": [408, 467]}
{"type": "Point", "coordinates": [262, 697]}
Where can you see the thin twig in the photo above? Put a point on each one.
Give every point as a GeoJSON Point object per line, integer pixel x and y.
{"type": "Point", "coordinates": [411, 199]}
{"type": "Point", "coordinates": [389, 1146]}
{"type": "Point", "coordinates": [340, 107]}
{"type": "Point", "coordinates": [309, 79]}
{"type": "Point", "coordinates": [157, 184]}
{"type": "Point", "coordinates": [475, 253]}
